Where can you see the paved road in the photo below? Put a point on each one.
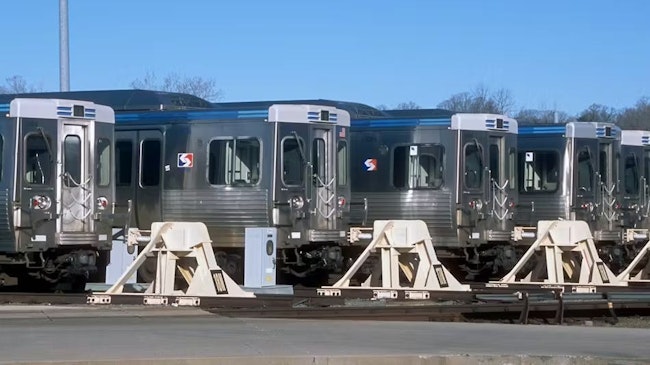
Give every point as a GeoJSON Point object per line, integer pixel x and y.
{"type": "Point", "coordinates": [66, 335]}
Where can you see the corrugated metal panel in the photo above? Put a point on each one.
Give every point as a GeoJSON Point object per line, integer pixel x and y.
{"type": "Point", "coordinates": [546, 208]}
{"type": "Point", "coordinates": [226, 213]}
{"type": "Point", "coordinates": [434, 207]}
{"type": "Point", "coordinates": [7, 238]}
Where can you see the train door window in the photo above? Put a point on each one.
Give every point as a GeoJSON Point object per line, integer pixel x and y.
{"type": "Point", "coordinates": [512, 169]}
{"type": "Point", "coordinates": [2, 144]}
{"type": "Point", "coordinates": [318, 160]}
{"type": "Point", "coordinates": [103, 169]}
{"type": "Point", "coordinates": [234, 161]}
{"type": "Point", "coordinates": [150, 161]}
{"type": "Point", "coordinates": [72, 160]}
{"type": "Point", "coordinates": [495, 165]}
{"type": "Point", "coordinates": [585, 170]}
{"type": "Point", "coordinates": [342, 163]}
{"type": "Point", "coordinates": [473, 166]}
{"type": "Point", "coordinates": [646, 167]}
{"type": "Point", "coordinates": [631, 175]}
{"type": "Point", "coordinates": [292, 160]}
{"type": "Point", "coordinates": [123, 162]}
{"type": "Point", "coordinates": [538, 171]}
{"type": "Point", "coordinates": [418, 166]}
{"type": "Point", "coordinates": [38, 159]}
{"type": "Point", "coordinates": [603, 164]}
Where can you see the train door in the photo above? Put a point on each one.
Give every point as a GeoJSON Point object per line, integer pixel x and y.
{"type": "Point", "coordinates": [631, 183]}
{"type": "Point", "coordinates": [497, 187]}
{"type": "Point", "coordinates": [472, 183]}
{"type": "Point", "coordinates": [607, 183]}
{"type": "Point", "coordinates": [148, 191]}
{"type": "Point", "coordinates": [323, 181]}
{"type": "Point", "coordinates": [76, 179]}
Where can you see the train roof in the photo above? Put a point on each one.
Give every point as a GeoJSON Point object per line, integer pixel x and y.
{"type": "Point", "coordinates": [124, 100]}
{"type": "Point", "coordinates": [420, 113]}
{"type": "Point", "coordinates": [356, 110]}
{"type": "Point", "coordinates": [573, 129]}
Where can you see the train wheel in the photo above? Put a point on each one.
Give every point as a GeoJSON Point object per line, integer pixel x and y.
{"type": "Point", "coordinates": [147, 271]}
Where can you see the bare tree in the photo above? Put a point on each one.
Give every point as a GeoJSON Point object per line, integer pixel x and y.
{"type": "Point", "coordinates": [637, 117]}
{"type": "Point", "coordinates": [409, 105]}
{"type": "Point", "coordinates": [195, 85]}
{"type": "Point", "coordinates": [17, 85]}
{"type": "Point", "coordinates": [480, 100]}
{"type": "Point", "coordinates": [598, 113]}
{"type": "Point", "coordinates": [537, 116]}
{"type": "Point", "coordinates": [382, 107]}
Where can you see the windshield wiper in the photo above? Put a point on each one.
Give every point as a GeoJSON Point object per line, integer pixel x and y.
{"type": "Point", "coordinates": [47, 143]}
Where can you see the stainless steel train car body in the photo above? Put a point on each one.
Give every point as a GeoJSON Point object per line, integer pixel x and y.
{"type": "Point", "coordinates": [455, 172]}
{"type": "Point", "coordinates": [570, 172]}
{"type": "Point", "coordinates": [635, 175]}
{"type": "Point", "coordinates": [56, 189]}
{"type": "Point", "coordinates": [283, 166]}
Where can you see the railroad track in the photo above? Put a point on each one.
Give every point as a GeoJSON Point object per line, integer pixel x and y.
{"type": "Point", "coordinates": [495, 305]}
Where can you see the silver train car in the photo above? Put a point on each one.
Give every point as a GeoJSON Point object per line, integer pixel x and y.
{"type": "Point", "coordinates": [56, 191]}
{"type": "Point", "coordinates": [278, 165]}
{"type": "Point", "coordinates": [455, 171]}
{"type": "Point", "coordinates": [635, 194]}
{"type": "Point", "coordinates": [573, 171]}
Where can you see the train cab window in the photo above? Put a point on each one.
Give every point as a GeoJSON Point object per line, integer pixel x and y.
{"type": "Point", "coordinates": [72, 160]}
{"type": "Point", "coordinates": [39, 162]}
{"type": "Point", "coordinates": [585, 171]}
{"type": "Point", "coordinates": [342, 163]}
{"type": "Point", "coordinates": [418, 166]}
{"type": "Point", "coordinates": [631, 175]}
{"type": "Point", "coordinates": [495, 165]}
{"type": "Point", "coordinates": [603, 165]}
{"type": "Point", "coordinates": [123, 163]}
{"type": "Point", "coordinates": [473, 166]}
{"type": "Point", "coordinates": [292, 160]}
{"type": "Point", "coordinates": [234, 161]}
{"type": "Point", "coordinates": [103, 169]}
{"type": "Point", "coordinates": [150, 162]}
{"type": "Point", "coordinates": [538, 171]}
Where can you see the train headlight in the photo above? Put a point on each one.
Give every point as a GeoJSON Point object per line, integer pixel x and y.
{"type": "Point", "coordinates": [41, 202]}
{"type": "Point", "coordinates": [341, 201]}
{"type": "Point", "coordinates": [476, 204]}
{"type": "Point", "coordinates": [297, 202]}
{"type": "Point", "coordinates": [102, 203]}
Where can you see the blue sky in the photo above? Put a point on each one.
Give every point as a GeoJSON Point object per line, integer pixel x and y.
{"type": "Point", "coordinates": [552, 53]}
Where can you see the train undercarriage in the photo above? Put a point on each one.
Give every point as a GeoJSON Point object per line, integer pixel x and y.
{"type": "Point", "coordinates": [50, 270]}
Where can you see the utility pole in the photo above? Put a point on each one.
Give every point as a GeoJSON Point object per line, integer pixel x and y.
{"type": "Point", "coordinates": [64, 52]}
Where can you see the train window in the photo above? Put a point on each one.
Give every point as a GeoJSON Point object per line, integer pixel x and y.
{"type": "Point", "coordinates": [418, 166]}
{"type": "Point", "coordinates": [234, 161]}
{"type": "Point", "coordinates": [539, 171]}
{"type": "Point", "coordinates": [342, 163]}
{"type": "Point", "coordinates": [123, 162]}
{"type": "Point", "coordinates": [585, 170]}
{"type": "Point", "coordinates": [72, 160]}
{"type": "Point", "coordinates": [292, 161]}
{"type": "Point", "coordinates": [512, 168]}
{"type": "Point", "coordinates": [646, 168]}
{"type": "Point", "coordinates": [150, 161]}
{"type": "Point", "coordinates": [603, 164]}
{"type": "Point", "coordinates": [318, 160]}
{"type": "Point", "coordinates": [473, 166]}
{"type": "Point", "coordinates": [103, 170]}
{"type": "Point", "coordinates": [495, 165]}
{"type": "Point", "coordinates": [631, 175]}
{"type": "Point", "coordinates": [38, 160]}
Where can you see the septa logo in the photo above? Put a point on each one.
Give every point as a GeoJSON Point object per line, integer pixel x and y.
{"type": "Point", "coordinates": [371, 164]}
{"type": "Point", "coordinates": [185, 159]}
